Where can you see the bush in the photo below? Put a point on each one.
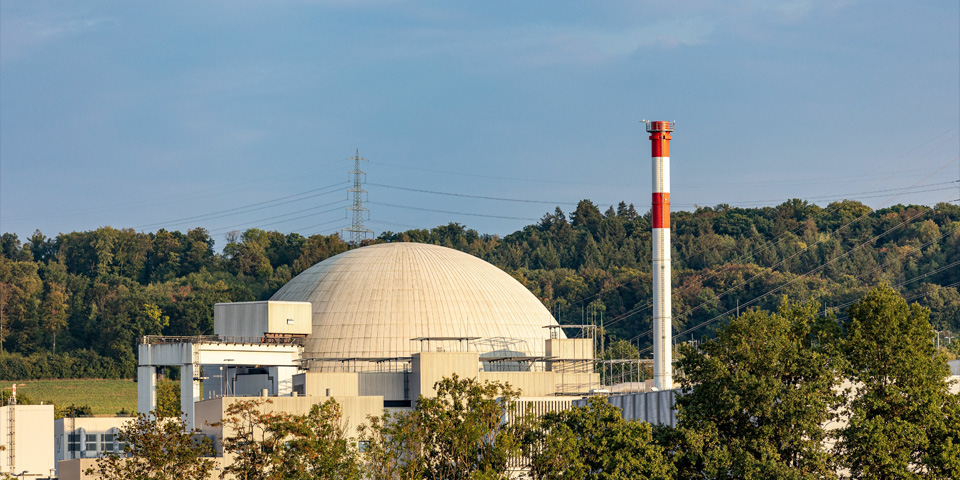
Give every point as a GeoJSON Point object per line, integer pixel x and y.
{"type": "Point", "coordinates": [76, 364]}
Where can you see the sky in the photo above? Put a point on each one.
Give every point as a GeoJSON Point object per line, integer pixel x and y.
{"type": "Point", "coordinates": [234, 115]}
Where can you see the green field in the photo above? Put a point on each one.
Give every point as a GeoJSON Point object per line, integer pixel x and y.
{"type": "Point", "coordinates": [106, 397]}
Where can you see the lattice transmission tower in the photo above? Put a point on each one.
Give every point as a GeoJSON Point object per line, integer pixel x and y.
{"type": "Point", "coordinates": [357, 231]}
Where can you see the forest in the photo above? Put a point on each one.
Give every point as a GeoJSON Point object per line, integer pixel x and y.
{"type": "Point", "coordinates": [75, 305]}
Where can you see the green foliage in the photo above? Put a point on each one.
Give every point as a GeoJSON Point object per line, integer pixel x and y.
{"type": "Point", "coordinates": [168, 399]}
{"type": "Point", "coordinates": [755, 399]}
{"type": "Point", "coordinates": [282, 446]}
{"type": "Point", "coordinates": [903, 422]}
{"type": "Point", "coordinates": [75, 364]}
{"type": "Point", "coordinates": [157, 449]}
{"type": "Point", "coordinates": [102, 290]}
{"type": "Point", "coordinates": [72, 410]}
{"type": "Point", "coordinates": [595, 442]}
{"type": "Point", "coordinates": [22, 399]}
{"type": "Point", "coordinates": [458, 434]}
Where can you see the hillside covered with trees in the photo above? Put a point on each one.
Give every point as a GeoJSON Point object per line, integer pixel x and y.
{"type": "Point", "coordinates": [74, 305]}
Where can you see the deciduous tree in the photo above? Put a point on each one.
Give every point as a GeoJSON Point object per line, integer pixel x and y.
{"type": "Point", "coordinates": [595, 442]}
{"type": "Point", "coordinates": [903, 421]}
{"type": "Point", "coordinates": [157, 449]}
{"type": "Point", "coordinates": [755, 399]}
{"type": "Point", "coordinates": [458, 434]}
{"type": "Point", "coordinates": [266, 445]}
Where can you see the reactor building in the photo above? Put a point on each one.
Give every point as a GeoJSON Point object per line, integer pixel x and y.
{"type": "Point", "coordinates": [376, 327]}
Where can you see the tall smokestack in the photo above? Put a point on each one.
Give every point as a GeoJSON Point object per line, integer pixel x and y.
{"type": "Point", "coordinates": [662, 327]}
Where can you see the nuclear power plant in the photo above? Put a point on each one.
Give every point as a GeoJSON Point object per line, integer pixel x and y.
{"type": "Point", "coordinates": [376, 327]}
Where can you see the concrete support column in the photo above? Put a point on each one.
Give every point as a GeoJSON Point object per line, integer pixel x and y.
{"type": "Point", "coordinates": [146, 388]}
{"type": "Point", "coordinates": [189, 392]}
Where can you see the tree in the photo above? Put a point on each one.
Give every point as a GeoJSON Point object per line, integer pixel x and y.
{"type": "Point", "coordinates": [157, 449]}
{"type": "Point", "coordinates": [72, 411]}
{"type": "Point", "coordinates": [459, 434]}
{"type": "Point", "coordinates": [168, 399]}
{"type": "Point", "coordinates": [317, 446]}
{"type": "Point", "coordinates": [283, 446]}
{"type": "Point", "coordinates": [903, 421]}
{"type": "Point", "coordinates": [594, 441]}
{"type": "Point", "coordinates": [754, 400]}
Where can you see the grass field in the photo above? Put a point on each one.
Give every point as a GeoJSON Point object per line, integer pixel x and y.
{"type": "Point", "coordinates": [106, 397]}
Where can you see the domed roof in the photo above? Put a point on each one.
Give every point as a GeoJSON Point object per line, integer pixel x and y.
{"type": "Point", "coordinates": [372, 301]}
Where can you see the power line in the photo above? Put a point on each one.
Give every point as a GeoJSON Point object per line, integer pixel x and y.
{"type": "Point", "coordinates": [798, 253]}
{"type": "Point", "coordinates": [256, 223]}
{"type": "Point", "coordinates": [772, 291]}
{"type": "Point", "coordinates": [493, 177]}
{"type": "Point", "coordinates": [320, 225]}
{"type": "Point", "coordinates": [483, 197]}
{"type": "Point", "coordinates": [250, 207]}
{"type": "Point", "coordinates": [403, 225]}
{"type": "Point", "coordinates": [844, 196]}
{"type": "Point", "coordinates": [639, 308]}
{"type": "Point", "coordinates": [908, 298]}
{"type": "Point", "coordinates": [259, 183]}
{"type": "Point", "coordinates": [450, 212]}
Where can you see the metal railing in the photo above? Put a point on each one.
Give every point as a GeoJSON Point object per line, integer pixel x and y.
{"type": "Point", "coordinates": [164, 339]}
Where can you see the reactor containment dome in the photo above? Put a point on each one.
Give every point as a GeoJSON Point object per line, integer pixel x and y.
{"type": "Point", "coordinates": [392, 300]}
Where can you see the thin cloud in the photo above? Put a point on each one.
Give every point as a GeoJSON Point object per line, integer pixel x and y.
{"type": "Point", "coordinates": [19, 36]}
{"type": "Point", "coordinates": [544, 45]}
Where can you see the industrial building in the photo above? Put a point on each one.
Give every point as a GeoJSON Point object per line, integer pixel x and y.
{"type": "Point", "coordinates": [375, 328]}
{"type": "Point", "coordinates": [27, 433]}
{"type": "Point", "coordinates": [87, 437]}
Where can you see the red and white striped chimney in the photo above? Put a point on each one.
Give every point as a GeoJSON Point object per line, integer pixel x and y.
{"type": "Point", "coordinates": [662, 326]}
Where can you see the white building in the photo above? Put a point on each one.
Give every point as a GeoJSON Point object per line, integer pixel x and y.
{"type": "Point", "coordinates": [26, 432]}
{"type": "Point", "coordinates": [86, 437]}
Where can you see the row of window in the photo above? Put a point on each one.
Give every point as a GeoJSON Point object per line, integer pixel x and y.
{"type": "Point", "coordinates": [108, 442]}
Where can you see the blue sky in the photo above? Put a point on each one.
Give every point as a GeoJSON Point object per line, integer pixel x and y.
{"type": "Point", "coordinates": [230, 115]}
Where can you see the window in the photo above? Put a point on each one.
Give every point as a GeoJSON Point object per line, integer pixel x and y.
{"type": "Point", "coordinates": [107, 443]}
{"type": "Point", "coordinates": [73, 442]}
{"type": "Point", "coordinates": [91, 442]}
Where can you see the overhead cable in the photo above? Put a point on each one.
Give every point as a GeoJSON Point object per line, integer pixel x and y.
{"type": "Point", "coordinates": [253, 206]}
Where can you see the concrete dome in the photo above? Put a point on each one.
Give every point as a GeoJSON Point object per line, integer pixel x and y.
{"type": "Point", "coordinates": [370, 302]}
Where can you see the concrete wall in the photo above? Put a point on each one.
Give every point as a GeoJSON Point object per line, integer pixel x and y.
{"type": "Point", "coordinates": [568, 348]}
{"type": "Point", "coordinates": [255, 319]}
{"type": "Point", "coordinates": [429, 368]}
{"type": "Point", "coordinates": [327, 384]}
{"type": "Point", "coordinates": [74, 469]}
{"type": "Point", "coordinates": [389, 385]}
{"type": "Point", "coordinates": [26, 433]}
{"type": "Point", "coordinates": [576, 383]}
{"type": "Point", "coordinates": [355, 410]}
